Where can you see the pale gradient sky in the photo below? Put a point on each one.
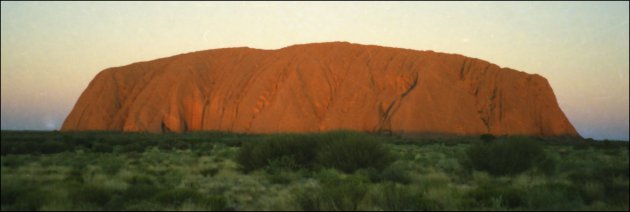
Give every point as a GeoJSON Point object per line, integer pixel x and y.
{"type": "Point", "coordinates": [51, 50]}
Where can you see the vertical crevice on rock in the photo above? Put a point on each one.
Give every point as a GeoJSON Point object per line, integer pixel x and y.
{"type": "Point", "coordinates": [164, 128]}
{"type": "Point", "coordinates": [384, 125]}
{"type": "Point", "coordinates": [463, 68]}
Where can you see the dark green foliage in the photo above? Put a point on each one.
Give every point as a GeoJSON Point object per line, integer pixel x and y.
{"type": "Point", "coordinates": [31, 200]}
{"type": "Point", "coordinates": [552, 196]}
{"type": "Point", "coordinates": [26, 142]}
{"type": "Point", "coordinates": [341, 150]}
{"type": "Point", "coordinates": [487, 137]}
{"type": "Point", "coordinates": [546, 164]}
{"type": "Point", "coordinates": [345, 194]}
{"type": "Point", "coordinates": [506, 156]}
{"type": "Point", "coordinates": [209, 172]}
{"type": "Point", "coordinates": [215, 202]}
{"type": "Point", "coordinates": [310, 199]}
{"type": "Point", "coordinates": [395, 197]}
{"type": "Point", "coordinates": [283, 163]}
{"type": "Point", "coordinates": [137, 192]}
{"type": "Point", "coordinates": [140, 179]}
{"type": "Point", "coordinates": [352, 152]}
{"type": "Point", "coordinates": [12, 161]}
{"type": "Point", "coordinates": [91, 194]}
{"type": "Point", "coordinates": [487, 193]}
{"type": "Point", "coordinates": [282, 177]}
{"type": "Point", "coordinates": [296, 151]}
{"type": "Point", "coordinates": [102, 147]}
{"type": "Point", "coordinates": [111, 165]}
{"type": "Point", "coordinates": [12, 191]}
{"type": "Point", "coordinates": [50, 147]}
{"type": "Point", "coordinates": [22, 195]}
{"type": "Point", "coordinates": [336, 194]}
{"type": "Point", "coordinates": [177, 196]}
{"type": "Point", "coordinates": [75, 174]}
{"type": "Point", "coordinates": [614, 192]}
{"type": "Point", "coordinates": [143, 171]}
{"type": "Point", "coordinates": [393, 173]}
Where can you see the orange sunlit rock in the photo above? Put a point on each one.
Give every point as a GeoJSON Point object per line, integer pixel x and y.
{"type": "Point", "coordinates": [319, 87]}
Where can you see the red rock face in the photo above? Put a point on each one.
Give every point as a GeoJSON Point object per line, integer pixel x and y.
{"type": "Point", "coordinates": [319, 87]}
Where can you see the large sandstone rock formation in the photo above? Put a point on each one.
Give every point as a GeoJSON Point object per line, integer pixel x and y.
{"type": "Point", "coordinates": [319, 87]}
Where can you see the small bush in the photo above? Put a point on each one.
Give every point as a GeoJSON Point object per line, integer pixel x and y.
{"type": "Point", "coordinates": [175, 197]}
{"type": "Point", "coordinates": [31, 200]}
{"type": "Point", "coordinates": [394, 197]}
{"type": "Point", "coordinates": [209, 172]}
{"type": "Point", "coordinates": [336, 193]}
{"type": "Point", "coordinates": [345, 194]}
{"type": "Point", "coordinates": [350, 153]}
{"type": "Point", "coordinates": [396, 173]}
{"type": "Point", "coordinates": [505, 157]}
{"type": "Point", "coordinates": [309, 199]}
{"type": "Point", "coordinates": [616, 193]}
{"type": "Point", "coordinates": [102, 147]}
{"type": "Point", "coordinates": [299, 150]}
{"type": "Point", "coordinates": [215, 202]}
{"type": "Point", "coordinates": [20, 194]}
{"type": "Point", "coordinates": [341, 150]}
{"type": "Point", "coordinates": [485, 195]}
{"type": "Point", "coordinates": [552, 196]}
{"type": "Point", "coordinates": [283, 163]}
{"type": "Point", "coordinates": [137, 192]}
{"type": "Point", "coordinates": [487, 137]}
{"type": "Point", "coordinates": [91, 194]}
{"type": "Point", "coordinates": [75, 174]}
{"type": "Point", "coordinates": [50, 147]}
{"type": "Point", "coordinates": [111, 165]}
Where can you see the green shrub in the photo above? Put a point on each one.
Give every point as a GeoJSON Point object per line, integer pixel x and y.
{"type": "Point", "coordinates": [142, 191]}
{"type": "Point", "coordinates": [352, 152]}
{"type": "Point", "coordinates": [91, 194]}
{"type": "Point", "coordinates": [552, 196]}
{"type": "Point", "coordinates": [395, 197]}
{"type": "Point", "coordinates": [111, 165]}
{"type": "Point", "coordinates": [132, 146]}
{"type": "Point", "coordinates": [345, 194]}
{"type": "Point", "coordinates": [278, 149]}
{"type": "Point", "coordinates": [283, 163]}
{"type": "Point", "coordinates": [336, 193]}
{"type": "Point", "coordinates": [101, 147]}
{"type": "Point", "coordinates": [31, 200]}
{"type": "Point", "coordinates": [486, 193]}
{"type": "Point", "coordinates": [616, 193]}
{"type": "Point", "coordinates": [507, 156]}
{"type": "Point", "coordinates": [175, 197]}
{"type": "Point", "coordinates": [345, 151]}
{"type": "Point", "coordinates": [396, 173]}
{"type": "Point", "coordinates": [487, 137]}
{"type": "Point", "coordinates": [75, 174]}
{"type": "Point", "coordinates": [283, 177]}
{"type": "Point", "coordinates": [13, 161]}
{"type": "Point", "coordinates": [140, 179]}
{"type": "Point", "coordinates": [209, 172]}
{"type": "Point", "coordinates": [215, 202]}
{"type": "Point", "coordinates": [50, 147]}
{"type": "Point", "coordinates": [11, 191]}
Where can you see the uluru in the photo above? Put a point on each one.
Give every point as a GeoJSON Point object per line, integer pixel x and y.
{"type": "Point", "coordinates": [319, 87]}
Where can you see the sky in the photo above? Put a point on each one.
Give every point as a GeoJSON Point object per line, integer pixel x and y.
{"type": "Point", "coordinates": [52, 50]}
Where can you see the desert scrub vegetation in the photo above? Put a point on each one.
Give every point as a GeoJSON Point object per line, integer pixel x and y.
{"type": "Point", "coordinates": [507, 156]}
{"type": "Point", "coordinates": [345, 151]}
{"type": "Point", "coordinates": [326, 171]}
